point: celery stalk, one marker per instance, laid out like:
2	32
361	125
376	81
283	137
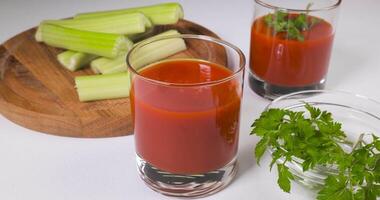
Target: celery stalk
159	14
102	44
140	36
102	93
73	60
128	23
171	32
158	50
99	87
95	64
110	66
170	47
100	80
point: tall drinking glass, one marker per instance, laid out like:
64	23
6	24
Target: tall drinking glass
185	96
291	44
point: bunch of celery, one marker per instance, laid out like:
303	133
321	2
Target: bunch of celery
102	39
114	81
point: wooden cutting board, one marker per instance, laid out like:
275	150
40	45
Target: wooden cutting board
36	92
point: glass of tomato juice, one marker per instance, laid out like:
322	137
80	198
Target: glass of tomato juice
186	93
291	44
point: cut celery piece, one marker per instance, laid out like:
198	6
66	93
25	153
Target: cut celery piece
171	32
152	52
127	23
159	14
73	60
101	44
95	64
109	66
102	93
38	35
99	87
99	80
140	36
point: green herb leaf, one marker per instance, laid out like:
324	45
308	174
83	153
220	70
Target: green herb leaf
292	24
377	143
335	188
260	148
300	22
284	177
314	112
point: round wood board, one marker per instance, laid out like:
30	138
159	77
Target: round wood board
37	93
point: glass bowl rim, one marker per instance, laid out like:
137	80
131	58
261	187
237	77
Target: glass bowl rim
242	60
336	92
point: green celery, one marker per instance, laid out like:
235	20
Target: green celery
101	44
95	64
159	14
109	66
99	87
126	23
152	52
165	48
140	36
73	60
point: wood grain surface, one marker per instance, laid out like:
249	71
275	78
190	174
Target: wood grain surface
36	92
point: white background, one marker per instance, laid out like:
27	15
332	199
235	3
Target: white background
39	166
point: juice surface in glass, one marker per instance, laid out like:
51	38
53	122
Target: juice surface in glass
191	127
290	62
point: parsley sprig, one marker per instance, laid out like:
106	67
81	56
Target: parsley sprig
317	139
291	24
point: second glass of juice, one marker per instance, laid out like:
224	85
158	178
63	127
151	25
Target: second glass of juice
185	99
291	44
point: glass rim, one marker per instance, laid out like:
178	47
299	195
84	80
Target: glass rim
241	68
334	92
330	7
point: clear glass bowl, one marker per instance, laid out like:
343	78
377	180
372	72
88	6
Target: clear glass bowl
358	115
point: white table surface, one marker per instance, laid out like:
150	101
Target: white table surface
39	166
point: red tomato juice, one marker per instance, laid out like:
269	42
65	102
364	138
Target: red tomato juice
290	63
186	129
